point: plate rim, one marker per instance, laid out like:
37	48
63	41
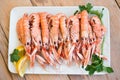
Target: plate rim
13	9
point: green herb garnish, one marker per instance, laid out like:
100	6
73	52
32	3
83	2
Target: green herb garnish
14	56
108	69
97	65
97	13
87	7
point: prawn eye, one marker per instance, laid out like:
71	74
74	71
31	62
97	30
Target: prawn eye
27	43
54	42
72	40
45	43
76	40
56	47
93	39
19	39
94	21
90	40
65	40
40	42
59	39
101	29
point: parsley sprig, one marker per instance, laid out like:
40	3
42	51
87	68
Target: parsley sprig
98	13
97	65
14	56
87	7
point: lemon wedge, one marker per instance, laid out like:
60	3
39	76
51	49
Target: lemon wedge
14	63
21	50
22	65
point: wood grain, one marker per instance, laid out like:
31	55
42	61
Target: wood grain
5	75
5	8
4	26
3	44
48	77
4	59
7	5
118	3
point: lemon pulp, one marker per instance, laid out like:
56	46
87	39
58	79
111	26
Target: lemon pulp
21	50
22	65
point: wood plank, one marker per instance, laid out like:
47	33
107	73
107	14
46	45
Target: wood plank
5	11
46	77
4	29
118	2
5	74
86	77
3	44
17	77
4	54
54	2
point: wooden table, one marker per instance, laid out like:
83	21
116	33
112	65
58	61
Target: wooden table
7	5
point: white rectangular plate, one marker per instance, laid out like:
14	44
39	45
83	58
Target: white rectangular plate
18	12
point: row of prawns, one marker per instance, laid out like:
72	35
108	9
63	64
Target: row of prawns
52	39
